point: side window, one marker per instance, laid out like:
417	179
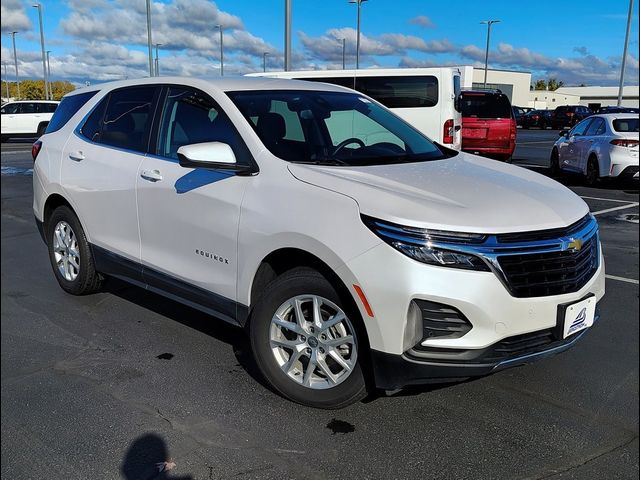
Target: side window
401	92
127	120
93	125
11	108
190	116
67	109
51	107
28	108
581	127
596	127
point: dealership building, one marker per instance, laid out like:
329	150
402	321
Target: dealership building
517	86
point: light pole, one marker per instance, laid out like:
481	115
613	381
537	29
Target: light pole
157	61
15	61
359	3
6	82
624	53
287	35
344	46
149	44
486	55
221	50
49	76
264	61
44	61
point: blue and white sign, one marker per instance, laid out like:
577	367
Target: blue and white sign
579	316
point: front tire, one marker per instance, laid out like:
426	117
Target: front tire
307	342
554	163
70	254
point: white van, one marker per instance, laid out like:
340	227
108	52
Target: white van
424	97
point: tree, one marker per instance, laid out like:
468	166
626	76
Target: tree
554	84
34	89
540	85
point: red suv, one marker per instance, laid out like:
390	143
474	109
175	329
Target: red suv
488	125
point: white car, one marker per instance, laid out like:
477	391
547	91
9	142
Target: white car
599	146
380	260
28	118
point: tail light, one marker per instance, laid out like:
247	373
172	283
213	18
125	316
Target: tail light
514	129
35	149
447	133
624	142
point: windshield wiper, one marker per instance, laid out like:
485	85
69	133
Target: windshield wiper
324	161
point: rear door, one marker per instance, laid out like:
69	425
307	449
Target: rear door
486	121
100	163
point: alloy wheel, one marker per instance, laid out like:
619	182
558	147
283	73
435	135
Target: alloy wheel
313	341
65	251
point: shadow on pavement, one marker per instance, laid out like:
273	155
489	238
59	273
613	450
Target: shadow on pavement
147	458
192	318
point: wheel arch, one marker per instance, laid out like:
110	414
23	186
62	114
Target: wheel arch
284	259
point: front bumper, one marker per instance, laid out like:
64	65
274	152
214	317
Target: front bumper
425	366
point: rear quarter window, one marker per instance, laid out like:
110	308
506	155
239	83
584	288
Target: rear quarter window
626	125
67	109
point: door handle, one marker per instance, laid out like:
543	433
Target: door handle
76	156
151	175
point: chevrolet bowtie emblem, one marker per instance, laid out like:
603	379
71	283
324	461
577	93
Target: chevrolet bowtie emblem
575	245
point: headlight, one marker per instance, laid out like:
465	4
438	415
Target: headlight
434	247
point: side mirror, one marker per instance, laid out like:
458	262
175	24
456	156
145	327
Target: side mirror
214	155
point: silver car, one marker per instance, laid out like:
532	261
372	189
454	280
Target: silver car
599	146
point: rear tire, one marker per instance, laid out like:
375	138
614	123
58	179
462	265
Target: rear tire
592	177
70	254
294	353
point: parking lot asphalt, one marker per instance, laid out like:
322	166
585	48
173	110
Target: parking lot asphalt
108	385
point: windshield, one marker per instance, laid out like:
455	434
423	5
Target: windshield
626	125
332	128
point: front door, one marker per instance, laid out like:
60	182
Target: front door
189	217
570	153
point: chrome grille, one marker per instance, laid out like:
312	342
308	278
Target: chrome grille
552	273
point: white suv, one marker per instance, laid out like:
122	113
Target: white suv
354	251
26	118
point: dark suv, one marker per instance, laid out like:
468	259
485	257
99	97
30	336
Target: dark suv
488	124
568	115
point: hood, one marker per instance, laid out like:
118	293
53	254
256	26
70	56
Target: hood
465	193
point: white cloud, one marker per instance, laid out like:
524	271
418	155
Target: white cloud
422	21
13	17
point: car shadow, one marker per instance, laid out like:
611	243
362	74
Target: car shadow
236	337
214	327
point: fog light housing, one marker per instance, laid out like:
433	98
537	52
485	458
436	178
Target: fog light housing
441	321
413	329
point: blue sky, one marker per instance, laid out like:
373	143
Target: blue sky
97	40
